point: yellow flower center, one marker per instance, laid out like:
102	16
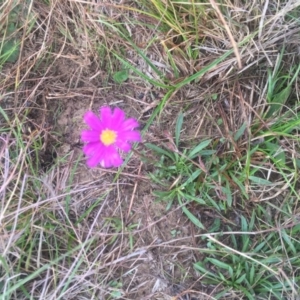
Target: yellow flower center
108	137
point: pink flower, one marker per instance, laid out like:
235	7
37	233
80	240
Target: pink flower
106	135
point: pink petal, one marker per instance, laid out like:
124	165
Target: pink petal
116	161
130	136
93	161
91	148
117	119
110	158
129	124
123	145
90	136
96	157
93	121
106	116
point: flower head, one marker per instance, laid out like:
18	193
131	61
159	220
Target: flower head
107	134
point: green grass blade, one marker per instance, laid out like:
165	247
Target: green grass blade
160	150
190	216
240	132
178	127
196	151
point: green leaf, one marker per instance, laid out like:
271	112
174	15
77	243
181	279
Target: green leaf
210	200
297	161
241	279
239	181
288	241
240	132
251	274
238	269
228	193
194	198
252	221
247	294
214	96
178	128
10	51
221	265
208	152
259	180
272	147
245	238
192	178
244	224
278	101
196	151
157	180
200	267
160	151
192	218
120	76
117	294
215	226
276	152
164	195
296	229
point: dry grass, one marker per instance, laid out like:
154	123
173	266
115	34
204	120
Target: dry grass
67	232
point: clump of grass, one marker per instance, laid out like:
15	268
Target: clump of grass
253	263
180	23
246	165
247	171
